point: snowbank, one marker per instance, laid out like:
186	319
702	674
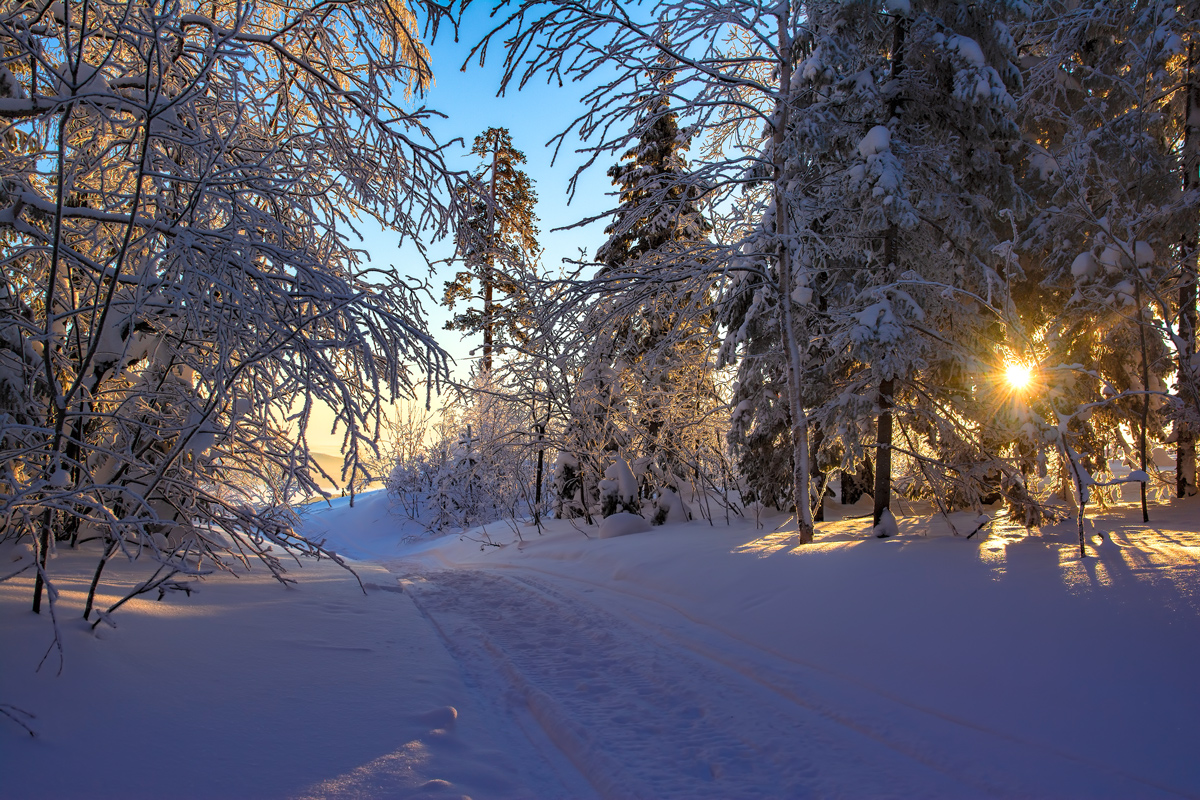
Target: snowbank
622	524
702	661
246	689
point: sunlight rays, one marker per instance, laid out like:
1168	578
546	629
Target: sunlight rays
1019	376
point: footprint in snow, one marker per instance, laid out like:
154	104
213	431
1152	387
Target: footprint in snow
440	718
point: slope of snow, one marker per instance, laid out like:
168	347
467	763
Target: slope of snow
248	689
1005	666
686	661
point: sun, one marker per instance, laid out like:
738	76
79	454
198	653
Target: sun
1018	375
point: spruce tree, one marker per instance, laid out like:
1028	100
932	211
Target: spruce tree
651	336
899	121
1104	117
659	202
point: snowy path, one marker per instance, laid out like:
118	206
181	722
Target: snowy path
646	702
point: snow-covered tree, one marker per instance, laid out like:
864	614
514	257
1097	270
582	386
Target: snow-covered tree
1112	246
652	344
582	38
490	469
898	125
659	205
179	292
908	221
889	254
1187	114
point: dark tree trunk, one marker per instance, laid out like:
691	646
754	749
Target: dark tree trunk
487	323
883	438
1145	421
43	547
537	490
1185	454
883	451
91	596
818	477
489	266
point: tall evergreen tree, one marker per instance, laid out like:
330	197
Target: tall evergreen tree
496	243
653	328
896	129
659	206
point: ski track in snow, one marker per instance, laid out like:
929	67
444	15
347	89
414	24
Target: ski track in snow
981	758
652	704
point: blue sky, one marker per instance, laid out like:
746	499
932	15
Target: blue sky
533	116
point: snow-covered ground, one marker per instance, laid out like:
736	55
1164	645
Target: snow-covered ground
686	661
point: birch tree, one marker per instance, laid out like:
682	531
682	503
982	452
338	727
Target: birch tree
178	185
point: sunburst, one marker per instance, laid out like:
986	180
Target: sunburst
1018	375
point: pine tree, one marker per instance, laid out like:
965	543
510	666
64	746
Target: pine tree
496	243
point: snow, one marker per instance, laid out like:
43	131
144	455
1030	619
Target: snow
1045	165
877	140
887	525
675	508
1143	253
969	49
245	689
1112	257
1084	265
622	524
699	661
623	484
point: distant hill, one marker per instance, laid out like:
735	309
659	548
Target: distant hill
332	464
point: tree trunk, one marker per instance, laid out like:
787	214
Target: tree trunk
883	451
537	490
109	548
43	547
489	265
487	322
1145	421
795	360
883	436
1185	454
817	477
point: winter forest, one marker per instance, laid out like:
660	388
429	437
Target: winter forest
856	259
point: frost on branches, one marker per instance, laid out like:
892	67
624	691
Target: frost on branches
178	184
918	200
647	406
